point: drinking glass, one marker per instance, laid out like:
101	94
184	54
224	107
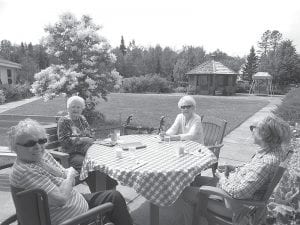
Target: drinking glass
167	139
132	152
117	133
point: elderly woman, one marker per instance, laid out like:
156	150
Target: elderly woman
251	180
75	136
36	168
187	125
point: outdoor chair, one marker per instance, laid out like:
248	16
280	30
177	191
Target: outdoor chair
130	128
32	209
213	130
220	208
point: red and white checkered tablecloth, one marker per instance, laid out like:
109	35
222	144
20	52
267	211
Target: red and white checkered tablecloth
156	172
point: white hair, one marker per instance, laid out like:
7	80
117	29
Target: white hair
24	127
187	99
75	99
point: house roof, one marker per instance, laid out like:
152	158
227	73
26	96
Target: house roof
262	76
211	67
9	64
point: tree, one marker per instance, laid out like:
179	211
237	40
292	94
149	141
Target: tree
122	46
84	58
251	65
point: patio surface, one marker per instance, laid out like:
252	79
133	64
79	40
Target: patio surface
233	152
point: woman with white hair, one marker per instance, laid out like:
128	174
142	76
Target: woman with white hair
187	125
75	136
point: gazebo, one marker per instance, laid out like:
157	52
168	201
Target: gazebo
261	84
211	78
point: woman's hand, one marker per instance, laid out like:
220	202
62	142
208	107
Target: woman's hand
162	135
86	140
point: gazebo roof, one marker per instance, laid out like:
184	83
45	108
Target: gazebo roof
262	76
211	67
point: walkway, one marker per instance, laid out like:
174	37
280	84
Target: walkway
237	149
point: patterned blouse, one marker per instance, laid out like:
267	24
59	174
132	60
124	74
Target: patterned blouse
251	180
69	132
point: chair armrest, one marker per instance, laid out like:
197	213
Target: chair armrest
92	213
6	166
208	190
10	220
215	149
61	156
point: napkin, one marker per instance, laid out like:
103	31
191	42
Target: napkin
137	145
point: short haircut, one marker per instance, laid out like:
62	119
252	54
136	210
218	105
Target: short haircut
188	100
23	127
273	130
75	99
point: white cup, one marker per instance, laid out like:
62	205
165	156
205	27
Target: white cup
180	150
117	133
119	153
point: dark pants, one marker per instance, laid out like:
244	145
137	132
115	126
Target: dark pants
76	161
119	215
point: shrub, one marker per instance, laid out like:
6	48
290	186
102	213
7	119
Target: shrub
289	110
94	118
16	92
147	83
180	90
2	97
242	87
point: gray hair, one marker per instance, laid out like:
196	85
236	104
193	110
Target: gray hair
23	127
274	131
75	99
187	99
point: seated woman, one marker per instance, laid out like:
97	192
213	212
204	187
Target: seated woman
251	180
187	125
36	168
75	136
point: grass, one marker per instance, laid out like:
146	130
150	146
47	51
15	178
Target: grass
148	108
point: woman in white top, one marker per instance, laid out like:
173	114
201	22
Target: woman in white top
187	125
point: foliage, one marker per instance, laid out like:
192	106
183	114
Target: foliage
94	117
242	87
289	110
279	58
2	97
147	83
15	92
84	58
122	46
251	65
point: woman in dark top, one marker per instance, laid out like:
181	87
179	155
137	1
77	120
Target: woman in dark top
75	135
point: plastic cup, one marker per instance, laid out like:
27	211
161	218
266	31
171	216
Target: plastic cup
180	150
119	153
117	132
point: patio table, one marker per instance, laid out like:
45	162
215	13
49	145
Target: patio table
156	171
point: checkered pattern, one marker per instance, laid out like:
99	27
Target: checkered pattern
160	176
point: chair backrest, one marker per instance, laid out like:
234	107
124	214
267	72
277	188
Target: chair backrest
31	206
213	129
53	143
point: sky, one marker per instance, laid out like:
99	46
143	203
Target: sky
232	26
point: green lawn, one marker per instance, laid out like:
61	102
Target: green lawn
148	108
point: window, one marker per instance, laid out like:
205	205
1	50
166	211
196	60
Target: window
9	77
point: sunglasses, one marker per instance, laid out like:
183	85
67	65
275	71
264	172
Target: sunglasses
32	143
186	106
252	127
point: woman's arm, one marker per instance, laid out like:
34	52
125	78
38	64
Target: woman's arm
174	129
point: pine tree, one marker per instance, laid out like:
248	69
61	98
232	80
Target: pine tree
122	46
251	65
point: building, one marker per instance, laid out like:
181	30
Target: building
8	71
211	78
261	84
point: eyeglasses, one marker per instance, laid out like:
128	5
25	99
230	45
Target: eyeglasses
186	106
32	143
252	127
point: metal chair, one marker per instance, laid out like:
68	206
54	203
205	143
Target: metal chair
213	130
32	209
220	208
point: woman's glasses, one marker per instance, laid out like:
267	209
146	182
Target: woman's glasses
252	127
186	106
32	143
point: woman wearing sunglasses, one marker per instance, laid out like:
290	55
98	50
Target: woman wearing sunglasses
249	181
36	168
187	125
